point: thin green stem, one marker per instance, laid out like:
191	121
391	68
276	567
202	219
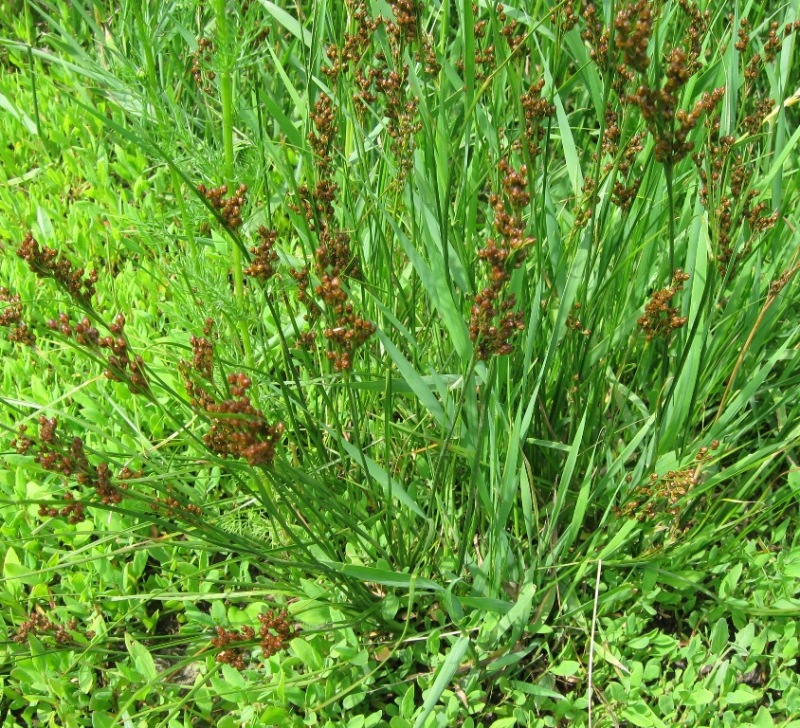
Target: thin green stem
671	210
227	100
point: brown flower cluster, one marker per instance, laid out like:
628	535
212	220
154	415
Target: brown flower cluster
660	318
47	263
203	357
346	330
274	634
262	265
513	31
333	258
670	125
696	31
69	459
735	209
660	497
711	161
381	82
202	364
39	624
595	34
536	111
564	16
574	322
406	15
11	318
122	365
238	429
230	208
494	322
626	187
355	43
484	58
203	54
633	27
170	506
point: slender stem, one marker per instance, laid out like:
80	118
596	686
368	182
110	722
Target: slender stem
671	206
226	100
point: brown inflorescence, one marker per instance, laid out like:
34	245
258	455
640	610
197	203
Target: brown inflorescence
660	318
733	209
121	366
406	15
669	125
512	30
274	634
536	111
595	34
633	27
203	54
381	82
696	32
203	357
228	208
484	53
168	505
39	624
265	258
238	429
48	263
334	259
493	321
660	497
68	458
564	16
226	641
11	318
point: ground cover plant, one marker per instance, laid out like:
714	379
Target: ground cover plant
393	363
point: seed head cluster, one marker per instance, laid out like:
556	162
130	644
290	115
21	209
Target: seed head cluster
633	27
238	429
228	208
202	56
670	125
334	260
274	634
170	506
660	318
122	365
494	322
48	263
731	200
68	458
536	110
39	624
660	497
11	318
380	80
265	258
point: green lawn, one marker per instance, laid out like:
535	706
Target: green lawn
389	363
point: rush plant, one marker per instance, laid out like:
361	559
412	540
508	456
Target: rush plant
426	339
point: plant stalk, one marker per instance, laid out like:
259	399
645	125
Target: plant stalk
226	100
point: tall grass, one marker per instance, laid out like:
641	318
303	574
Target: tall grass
509	293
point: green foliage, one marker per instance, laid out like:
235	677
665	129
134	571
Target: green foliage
454	381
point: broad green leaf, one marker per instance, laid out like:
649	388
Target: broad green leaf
142	659
443	677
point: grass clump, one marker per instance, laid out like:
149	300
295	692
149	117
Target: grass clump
433	365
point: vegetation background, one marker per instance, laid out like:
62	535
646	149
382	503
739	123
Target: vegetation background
393	363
